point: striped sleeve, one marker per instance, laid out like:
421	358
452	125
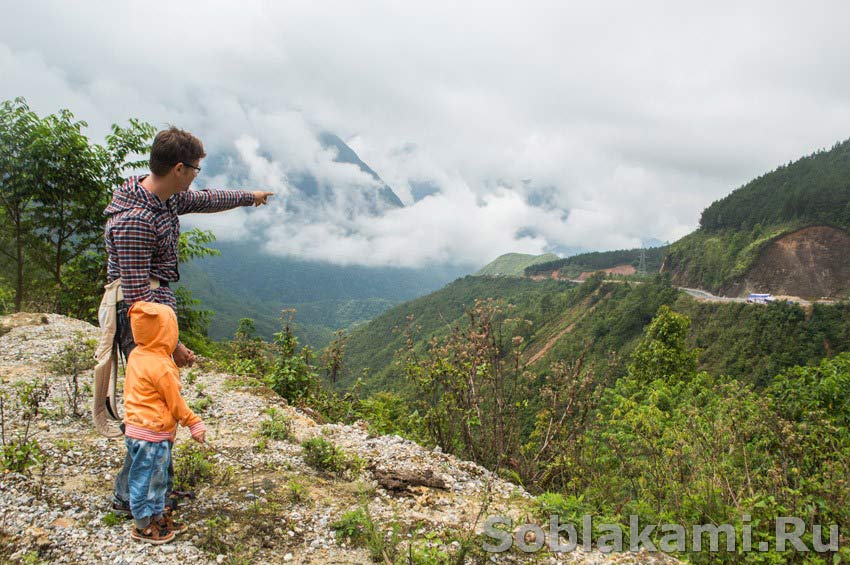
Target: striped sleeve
197	429
211	200
134	239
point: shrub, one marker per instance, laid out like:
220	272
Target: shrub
20	455
292	374
194	466
212	539
354	526
323	455
278	426
201	405
297	492
75	359
359	529
22	451
389	413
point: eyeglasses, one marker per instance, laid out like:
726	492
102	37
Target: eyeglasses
197	169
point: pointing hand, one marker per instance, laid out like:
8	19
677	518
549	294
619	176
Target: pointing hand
261	196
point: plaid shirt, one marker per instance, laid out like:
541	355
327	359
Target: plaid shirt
142	233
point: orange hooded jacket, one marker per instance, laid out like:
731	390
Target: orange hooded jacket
152	403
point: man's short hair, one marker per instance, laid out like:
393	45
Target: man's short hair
172	146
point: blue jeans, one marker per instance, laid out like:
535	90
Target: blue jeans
121	493
148	478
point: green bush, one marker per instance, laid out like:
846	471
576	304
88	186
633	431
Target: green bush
75	360
201	405
21	452
359	529
292	374
195	466
18	456
324	456
388	413
278	426
297	492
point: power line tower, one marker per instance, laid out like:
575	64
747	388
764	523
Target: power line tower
641	270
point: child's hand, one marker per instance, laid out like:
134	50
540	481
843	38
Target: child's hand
201	437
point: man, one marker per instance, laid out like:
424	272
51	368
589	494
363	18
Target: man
142	234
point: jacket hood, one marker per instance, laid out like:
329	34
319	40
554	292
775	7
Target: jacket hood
133	195
154	327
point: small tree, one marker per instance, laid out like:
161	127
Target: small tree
75	359
333	354
54	185
664	352
292	374
472	386
22	451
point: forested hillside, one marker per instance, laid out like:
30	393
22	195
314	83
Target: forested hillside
595	319
373	347
243	282
736	230
812	190
623	398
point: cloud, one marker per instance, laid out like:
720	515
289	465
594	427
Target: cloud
549	125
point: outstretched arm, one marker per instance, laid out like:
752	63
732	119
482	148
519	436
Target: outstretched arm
217	200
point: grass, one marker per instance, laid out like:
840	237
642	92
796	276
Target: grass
64	444
201	405
359	529
112	519
297	492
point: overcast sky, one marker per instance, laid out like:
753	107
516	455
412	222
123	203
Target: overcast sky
545	125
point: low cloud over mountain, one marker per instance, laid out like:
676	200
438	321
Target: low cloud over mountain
500	127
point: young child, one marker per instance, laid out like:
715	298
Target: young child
152	409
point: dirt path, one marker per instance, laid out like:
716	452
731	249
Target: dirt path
539	355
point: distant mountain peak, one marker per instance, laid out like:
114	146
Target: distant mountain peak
345	154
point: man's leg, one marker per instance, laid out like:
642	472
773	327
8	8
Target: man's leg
121	492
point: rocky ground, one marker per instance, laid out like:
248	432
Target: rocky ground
259	501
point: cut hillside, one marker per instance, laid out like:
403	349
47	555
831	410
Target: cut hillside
623	262
810	263
261	501
769	232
